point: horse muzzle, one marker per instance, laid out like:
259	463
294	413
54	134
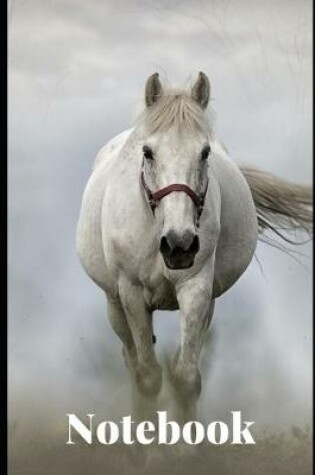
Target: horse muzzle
179	250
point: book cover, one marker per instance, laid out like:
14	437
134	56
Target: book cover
160	242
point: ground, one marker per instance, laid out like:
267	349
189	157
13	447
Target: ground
281	454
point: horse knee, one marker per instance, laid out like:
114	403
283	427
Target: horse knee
130	357
149	380
187	382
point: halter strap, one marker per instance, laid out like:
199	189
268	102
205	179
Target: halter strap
155	197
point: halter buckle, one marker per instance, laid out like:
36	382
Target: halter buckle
153	204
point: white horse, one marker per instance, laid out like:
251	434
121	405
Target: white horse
169	221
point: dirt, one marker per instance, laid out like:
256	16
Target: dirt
289	454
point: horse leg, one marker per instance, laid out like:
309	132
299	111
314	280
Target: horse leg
148	372
196	310
118	321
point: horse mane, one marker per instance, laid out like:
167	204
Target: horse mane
176	109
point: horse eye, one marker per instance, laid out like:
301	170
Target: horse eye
205	152
147	152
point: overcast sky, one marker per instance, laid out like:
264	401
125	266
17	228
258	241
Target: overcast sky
76	78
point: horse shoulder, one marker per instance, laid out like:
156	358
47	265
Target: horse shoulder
89	228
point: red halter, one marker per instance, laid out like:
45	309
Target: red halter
155	197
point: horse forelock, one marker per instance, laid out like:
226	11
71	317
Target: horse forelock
176	110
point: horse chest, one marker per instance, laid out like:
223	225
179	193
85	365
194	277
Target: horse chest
161	296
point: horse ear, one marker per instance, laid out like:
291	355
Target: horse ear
153	89
201	90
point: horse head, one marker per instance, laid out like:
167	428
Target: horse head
176	153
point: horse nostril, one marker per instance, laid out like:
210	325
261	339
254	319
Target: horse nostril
164	247
174	244
194	247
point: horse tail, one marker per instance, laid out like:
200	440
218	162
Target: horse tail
281	206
